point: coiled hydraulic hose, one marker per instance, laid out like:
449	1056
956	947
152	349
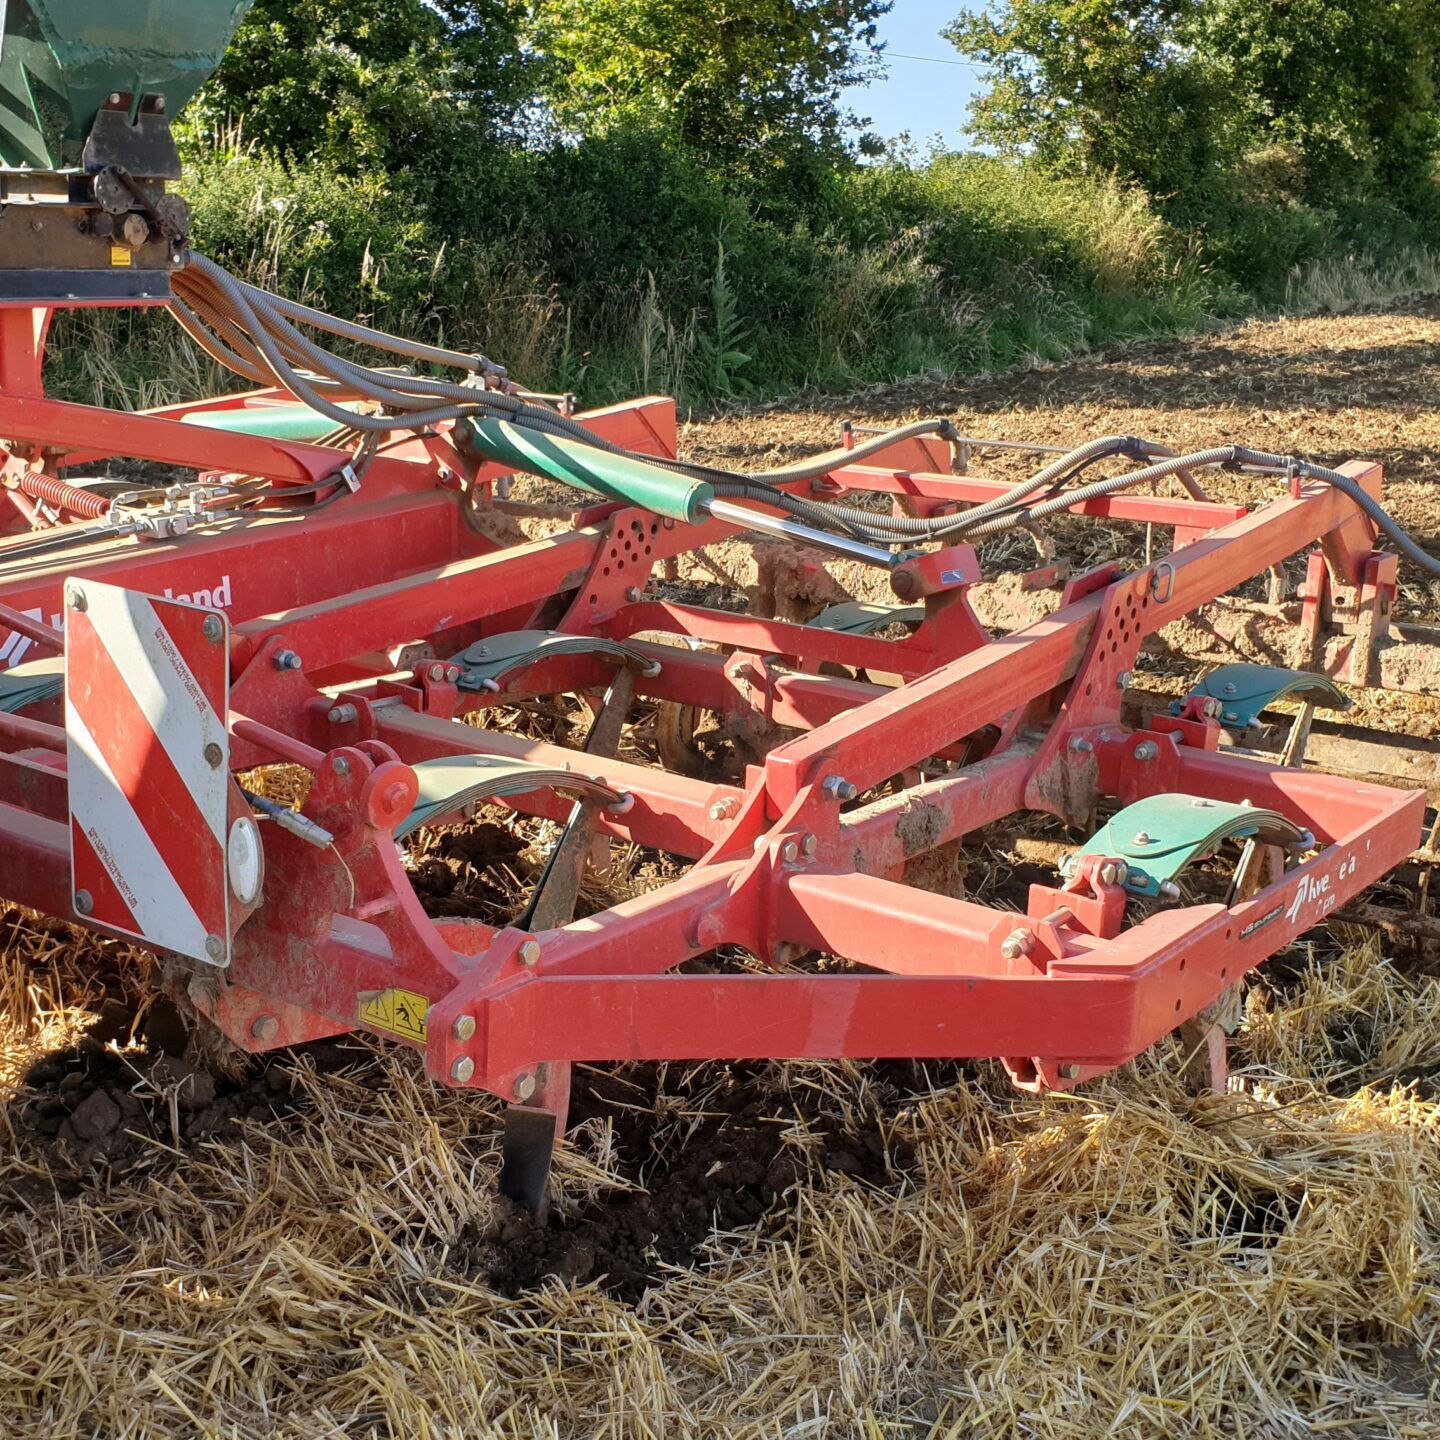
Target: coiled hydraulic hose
257	335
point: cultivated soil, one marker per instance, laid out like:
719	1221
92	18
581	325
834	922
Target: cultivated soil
310	1244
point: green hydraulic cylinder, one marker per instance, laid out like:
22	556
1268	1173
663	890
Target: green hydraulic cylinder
276	422
617	477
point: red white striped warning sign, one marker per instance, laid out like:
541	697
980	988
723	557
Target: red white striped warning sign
146	696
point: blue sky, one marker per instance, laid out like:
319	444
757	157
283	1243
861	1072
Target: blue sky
918	95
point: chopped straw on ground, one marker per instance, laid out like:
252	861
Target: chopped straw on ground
314	1249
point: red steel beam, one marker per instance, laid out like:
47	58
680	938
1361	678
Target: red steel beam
904	726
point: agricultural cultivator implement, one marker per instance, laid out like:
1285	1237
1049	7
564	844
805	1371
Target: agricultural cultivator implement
327	572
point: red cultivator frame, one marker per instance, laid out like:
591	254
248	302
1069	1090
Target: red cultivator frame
351	641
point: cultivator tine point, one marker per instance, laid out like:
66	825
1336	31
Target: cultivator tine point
526	1153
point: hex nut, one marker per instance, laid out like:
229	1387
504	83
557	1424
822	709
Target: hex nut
1016	944
266	1027
464	1028
529	952
462	1070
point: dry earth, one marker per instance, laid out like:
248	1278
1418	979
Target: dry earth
310	1247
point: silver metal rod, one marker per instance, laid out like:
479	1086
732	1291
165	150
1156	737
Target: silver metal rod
977	442
794	530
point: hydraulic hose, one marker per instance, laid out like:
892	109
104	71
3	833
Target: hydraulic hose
255	334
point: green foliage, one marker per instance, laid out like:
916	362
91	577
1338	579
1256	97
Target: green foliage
1349	89
1203	99
721	358
353	244
1094	86
753	86
381	85
689	216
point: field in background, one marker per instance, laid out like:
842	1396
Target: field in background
311	1247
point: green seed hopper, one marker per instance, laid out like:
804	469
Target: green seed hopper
61	60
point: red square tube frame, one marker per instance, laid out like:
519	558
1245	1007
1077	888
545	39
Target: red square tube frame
784	863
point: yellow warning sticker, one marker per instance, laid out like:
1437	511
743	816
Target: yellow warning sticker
119	255
401	1012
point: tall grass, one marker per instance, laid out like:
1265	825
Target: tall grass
1358	281
619	266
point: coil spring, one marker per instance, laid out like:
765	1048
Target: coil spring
66	497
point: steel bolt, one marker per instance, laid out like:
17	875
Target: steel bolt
529	952
1146	750
84	902
1228	687
287	660
1081	746
524	1087
78	600
1122	680
214	755
462	1070
789	852
1069	1072
723	809
1170	890
1107	874
808	844
340	765
343	714
214	947
266	1027
837	787
114	97
1142	838
634	594
463	1028
213	629
1122	873
1016	944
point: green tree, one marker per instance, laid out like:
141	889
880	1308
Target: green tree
1092	85
1174	93
750	85
1350	89
385	84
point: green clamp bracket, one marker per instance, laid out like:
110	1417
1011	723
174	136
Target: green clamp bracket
453	784
1242	691
487	660
862	617
1157	837
31	682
